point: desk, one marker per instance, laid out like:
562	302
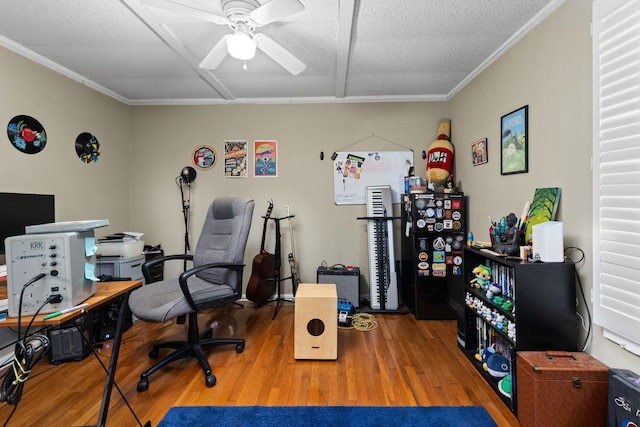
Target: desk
107	291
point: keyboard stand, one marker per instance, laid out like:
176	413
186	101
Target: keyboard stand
380	222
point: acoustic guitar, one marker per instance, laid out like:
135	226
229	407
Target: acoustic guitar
262	284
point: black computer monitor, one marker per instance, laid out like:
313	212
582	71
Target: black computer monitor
19	210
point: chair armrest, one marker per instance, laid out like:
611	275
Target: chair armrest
185	275
148	264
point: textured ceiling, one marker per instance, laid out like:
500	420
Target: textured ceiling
353	49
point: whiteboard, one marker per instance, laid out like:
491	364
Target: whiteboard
354	171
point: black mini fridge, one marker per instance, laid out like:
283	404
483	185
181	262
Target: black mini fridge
433	235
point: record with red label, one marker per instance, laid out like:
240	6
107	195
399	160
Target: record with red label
26	134
87	147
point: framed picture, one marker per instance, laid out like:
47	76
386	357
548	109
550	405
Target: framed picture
265	158
236	158
514	145
204	157
479	154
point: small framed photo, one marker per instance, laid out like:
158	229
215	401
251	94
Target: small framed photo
514	145
479	154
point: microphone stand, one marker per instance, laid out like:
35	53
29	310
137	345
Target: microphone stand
185	213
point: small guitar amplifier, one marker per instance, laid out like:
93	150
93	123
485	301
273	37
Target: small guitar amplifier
347	281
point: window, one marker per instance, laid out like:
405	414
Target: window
616	170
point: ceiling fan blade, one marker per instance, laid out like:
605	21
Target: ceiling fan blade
181	8
275	10
279	54
217	54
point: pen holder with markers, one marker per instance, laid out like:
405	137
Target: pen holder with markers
493	235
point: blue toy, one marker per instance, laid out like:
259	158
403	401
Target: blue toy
497	365
485	354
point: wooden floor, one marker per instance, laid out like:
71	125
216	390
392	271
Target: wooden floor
402	362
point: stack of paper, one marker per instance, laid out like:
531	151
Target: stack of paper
127	236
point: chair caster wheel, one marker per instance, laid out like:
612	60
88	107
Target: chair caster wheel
143	385
153	353
239	348
210	380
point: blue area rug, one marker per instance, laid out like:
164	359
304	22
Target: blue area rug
326	416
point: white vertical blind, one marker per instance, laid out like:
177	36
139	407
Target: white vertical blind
616	169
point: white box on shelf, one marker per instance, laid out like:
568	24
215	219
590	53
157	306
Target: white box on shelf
548	241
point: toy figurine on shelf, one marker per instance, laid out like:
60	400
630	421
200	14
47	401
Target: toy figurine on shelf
483	274
497	365
492	290
508	240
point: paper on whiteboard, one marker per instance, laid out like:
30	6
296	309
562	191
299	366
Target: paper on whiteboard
354	171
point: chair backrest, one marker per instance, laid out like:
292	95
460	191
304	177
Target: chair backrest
224	238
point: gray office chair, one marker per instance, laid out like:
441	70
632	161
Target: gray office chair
214	280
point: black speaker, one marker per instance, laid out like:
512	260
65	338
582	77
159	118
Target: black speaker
66	341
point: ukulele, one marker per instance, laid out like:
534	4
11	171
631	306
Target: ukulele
262	283
295	277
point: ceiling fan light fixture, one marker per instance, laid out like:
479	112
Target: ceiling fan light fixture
241	46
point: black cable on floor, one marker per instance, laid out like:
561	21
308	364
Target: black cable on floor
28	352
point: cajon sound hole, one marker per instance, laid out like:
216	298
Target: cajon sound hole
315	327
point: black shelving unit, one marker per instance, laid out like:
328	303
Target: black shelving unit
542	313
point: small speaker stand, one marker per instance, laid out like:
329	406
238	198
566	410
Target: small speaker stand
277	264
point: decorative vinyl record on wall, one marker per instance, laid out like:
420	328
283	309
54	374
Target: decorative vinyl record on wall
204	157
26	134
87	147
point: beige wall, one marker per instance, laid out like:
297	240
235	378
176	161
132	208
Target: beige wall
163	139
549	70
144	149
65	109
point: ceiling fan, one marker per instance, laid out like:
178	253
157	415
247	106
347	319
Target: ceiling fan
243	17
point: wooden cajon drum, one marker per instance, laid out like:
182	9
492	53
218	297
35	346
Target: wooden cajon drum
316	321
